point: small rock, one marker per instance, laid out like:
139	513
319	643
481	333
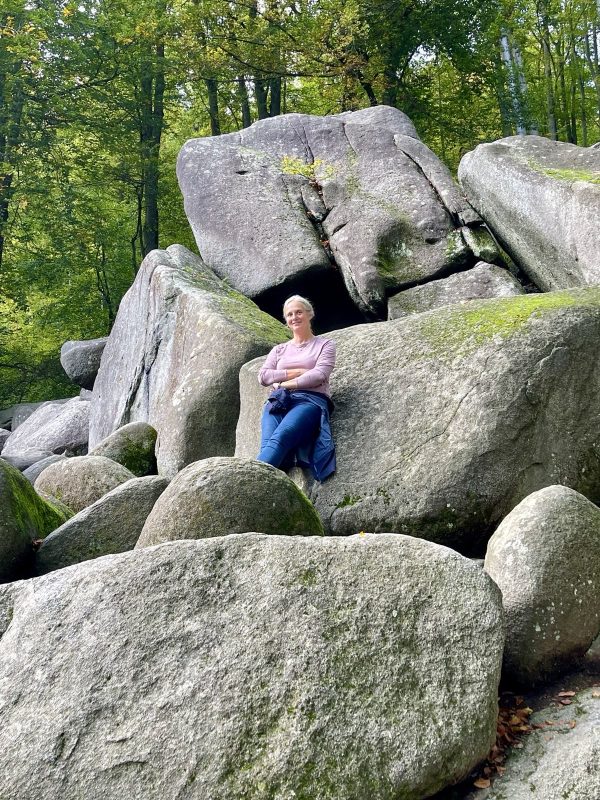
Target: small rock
219	496
79	482
110	525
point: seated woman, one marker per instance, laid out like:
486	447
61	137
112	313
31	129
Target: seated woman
295	420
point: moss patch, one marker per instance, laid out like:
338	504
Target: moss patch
569	174
460	331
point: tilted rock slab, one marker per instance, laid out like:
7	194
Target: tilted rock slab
110	525
79	482
132	446
541	199
173	357
24	517
218	496
479	283
545	557
250	666
357	188
32	472
81	360
54	428
445	420
558	760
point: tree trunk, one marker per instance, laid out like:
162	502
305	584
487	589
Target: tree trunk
275	99
213	106
550	103
152	98
244	103
261	89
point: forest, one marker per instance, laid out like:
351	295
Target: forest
98	96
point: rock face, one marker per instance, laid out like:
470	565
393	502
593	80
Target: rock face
444	421
541	200
26	458
173	358
358	189
111	525
247	666
479	283
54	428
559	760
81	360
79	482
218	496
132	446
4	434
545	557
24	517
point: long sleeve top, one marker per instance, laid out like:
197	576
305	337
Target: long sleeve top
317	356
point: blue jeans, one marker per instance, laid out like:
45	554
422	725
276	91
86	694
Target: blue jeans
281	434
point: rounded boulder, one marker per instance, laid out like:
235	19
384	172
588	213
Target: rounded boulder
218	496
545	557
78	482
132	446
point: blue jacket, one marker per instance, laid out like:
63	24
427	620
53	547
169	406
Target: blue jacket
318	456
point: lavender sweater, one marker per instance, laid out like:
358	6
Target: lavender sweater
317	356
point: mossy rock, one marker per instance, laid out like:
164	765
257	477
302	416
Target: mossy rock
25	517
132	446
218	496
79	482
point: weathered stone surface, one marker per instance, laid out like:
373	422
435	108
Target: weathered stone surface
81	360
251	666
445	420
26	458
4	434
32	472
559	760
22	411
24	517
541	199
173	358
79	482
110	525
132	446
545	557
359	188
218	496
481	282
55	428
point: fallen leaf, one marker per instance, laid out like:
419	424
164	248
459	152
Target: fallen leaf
566	694
482	783
565	702
595	694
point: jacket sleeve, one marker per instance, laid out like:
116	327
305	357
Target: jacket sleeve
269	373
322	369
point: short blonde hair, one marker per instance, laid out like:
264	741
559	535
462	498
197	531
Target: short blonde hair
303	301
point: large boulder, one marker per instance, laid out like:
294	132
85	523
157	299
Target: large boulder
81	360
545	557
218	496
79	482
356	192
445	420
558	760
251	666
24	518
110	525
132	446
541	200
173	358
479	283
55	428
20	412
26	458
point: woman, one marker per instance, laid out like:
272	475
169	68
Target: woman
295	420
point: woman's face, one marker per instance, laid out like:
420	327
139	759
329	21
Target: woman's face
297	318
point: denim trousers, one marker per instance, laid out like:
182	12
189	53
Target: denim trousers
281	434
